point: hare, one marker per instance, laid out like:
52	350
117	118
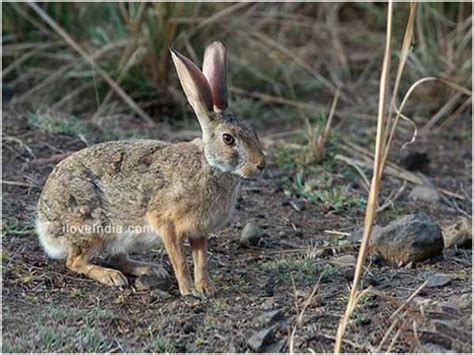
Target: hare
123	196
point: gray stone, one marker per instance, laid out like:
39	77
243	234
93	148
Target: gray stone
438	279
160	294
148	282
409	239
424	193
278	347
251	235
268	318
357	234
344	260
261	338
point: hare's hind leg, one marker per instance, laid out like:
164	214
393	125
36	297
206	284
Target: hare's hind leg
78	261
128	266
201	278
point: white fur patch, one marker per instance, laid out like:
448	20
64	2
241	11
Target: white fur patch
53	246
130	242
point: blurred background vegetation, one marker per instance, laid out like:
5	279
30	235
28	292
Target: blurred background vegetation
286	59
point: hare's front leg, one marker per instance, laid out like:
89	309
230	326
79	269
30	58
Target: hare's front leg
174	247
78	261
201	278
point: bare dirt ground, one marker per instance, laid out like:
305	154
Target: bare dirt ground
48	308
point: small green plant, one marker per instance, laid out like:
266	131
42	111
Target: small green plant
161	345
55	124
333	197
13	226
300	270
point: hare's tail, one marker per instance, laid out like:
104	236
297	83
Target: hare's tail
51	244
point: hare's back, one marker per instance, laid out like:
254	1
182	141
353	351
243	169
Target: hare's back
100	179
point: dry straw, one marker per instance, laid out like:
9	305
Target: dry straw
386	127
378	164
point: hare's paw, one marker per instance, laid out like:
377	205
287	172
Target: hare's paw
109	277
206	288
192	293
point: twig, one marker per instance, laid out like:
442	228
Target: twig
390	199
337	233
276	99
299	319
398	173
345	341
19	183
394	315
21	143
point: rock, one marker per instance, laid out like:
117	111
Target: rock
411	238
372	280
160	294
258	341
424	193
297	205
357	234
251	235
463	301
268	318
344	260
275	348
437	279
415	161
147	282
458	234
375	259
349	273
433	349
298	233
270	286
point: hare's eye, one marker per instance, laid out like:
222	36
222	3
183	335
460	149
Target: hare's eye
228	139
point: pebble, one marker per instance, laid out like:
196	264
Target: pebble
424	193
438	279
344	260
252	235
148	282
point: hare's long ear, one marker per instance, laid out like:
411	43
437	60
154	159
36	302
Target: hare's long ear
214	69
197	90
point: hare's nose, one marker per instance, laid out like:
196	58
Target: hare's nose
261	165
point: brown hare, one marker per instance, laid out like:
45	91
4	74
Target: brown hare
119	197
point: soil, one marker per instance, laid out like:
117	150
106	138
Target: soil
48	308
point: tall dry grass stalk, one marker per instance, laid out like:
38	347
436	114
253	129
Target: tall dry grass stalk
380	146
